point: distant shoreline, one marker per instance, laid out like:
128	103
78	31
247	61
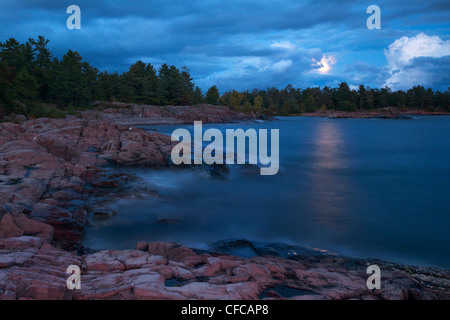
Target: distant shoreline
388	113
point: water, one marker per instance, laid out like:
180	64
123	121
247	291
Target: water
360	187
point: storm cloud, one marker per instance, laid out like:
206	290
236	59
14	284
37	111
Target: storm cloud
242	44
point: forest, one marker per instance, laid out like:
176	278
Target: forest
35	83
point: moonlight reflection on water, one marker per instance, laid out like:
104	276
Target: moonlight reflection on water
360	187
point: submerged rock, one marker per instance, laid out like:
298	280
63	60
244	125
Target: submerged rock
103	214
394	116
247	248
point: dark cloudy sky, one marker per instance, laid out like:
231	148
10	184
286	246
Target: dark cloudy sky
246	44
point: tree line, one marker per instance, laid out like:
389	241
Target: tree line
292	100
31	78
35	83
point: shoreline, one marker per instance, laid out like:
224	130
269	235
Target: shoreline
50	168
387	113
31	269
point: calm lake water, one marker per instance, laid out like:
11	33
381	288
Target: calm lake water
360	187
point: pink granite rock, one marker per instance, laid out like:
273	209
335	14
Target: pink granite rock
31	269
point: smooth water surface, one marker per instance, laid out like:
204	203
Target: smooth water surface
360	187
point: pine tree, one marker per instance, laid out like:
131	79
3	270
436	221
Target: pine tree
187	95
212	95
165	83
25	87
43	66
70	85
10	53
198	96
5	90
153	86
135	83
362	96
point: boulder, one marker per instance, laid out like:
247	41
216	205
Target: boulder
8	227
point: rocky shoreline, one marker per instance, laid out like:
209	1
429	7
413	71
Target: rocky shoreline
33	269
141	115
50	168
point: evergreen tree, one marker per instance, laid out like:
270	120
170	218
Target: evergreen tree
70	85
198	96
10	53
153	85
165	82
362	96
310	104
25	87
29	74
135	83
212	95
43	66
187	84
5	91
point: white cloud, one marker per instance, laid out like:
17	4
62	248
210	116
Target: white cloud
404	56
284	45
282	65
323	66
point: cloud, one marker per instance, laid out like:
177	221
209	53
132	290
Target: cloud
284	44
323	66
366	74
426	71
419	60
241	44
274	69
282	65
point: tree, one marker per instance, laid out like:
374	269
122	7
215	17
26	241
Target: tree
236	99
310	103
10	52
187	94
417	97
25	91
212	95
25	87
257	103
135	86
198	96
153	86
362	96
176	87
286	110
247	107
29	74
42	70
5	91
165	83
343	92
70	85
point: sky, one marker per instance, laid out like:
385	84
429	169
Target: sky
248	44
